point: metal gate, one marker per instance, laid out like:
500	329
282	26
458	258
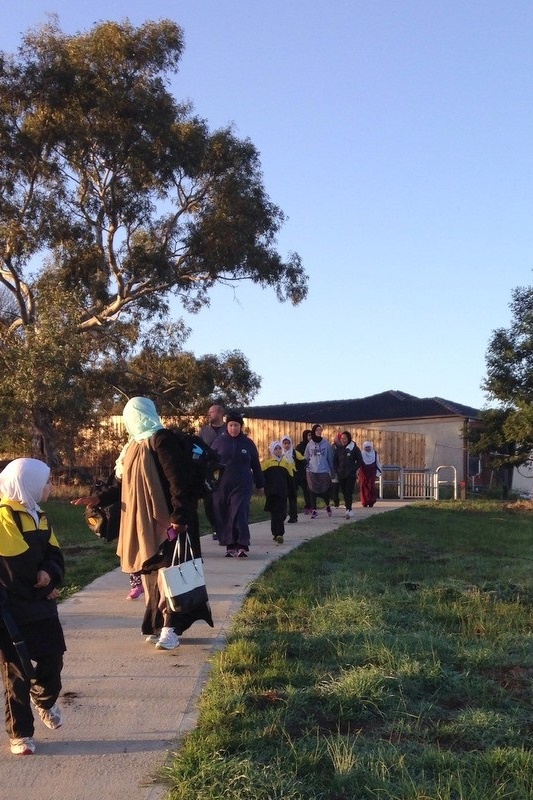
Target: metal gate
416	484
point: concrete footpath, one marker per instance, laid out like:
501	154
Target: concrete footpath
125	704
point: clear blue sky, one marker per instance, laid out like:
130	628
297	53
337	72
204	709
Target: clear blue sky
397	136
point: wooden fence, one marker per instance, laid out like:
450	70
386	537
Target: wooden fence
98	447
407	450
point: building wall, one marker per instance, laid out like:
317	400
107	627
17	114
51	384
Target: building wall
444	444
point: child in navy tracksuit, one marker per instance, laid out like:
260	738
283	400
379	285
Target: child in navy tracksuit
276	470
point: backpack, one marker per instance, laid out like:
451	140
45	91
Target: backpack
205	468
104	521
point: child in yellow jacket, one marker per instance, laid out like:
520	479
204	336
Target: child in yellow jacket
277	473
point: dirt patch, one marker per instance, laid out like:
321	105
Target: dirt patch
519	505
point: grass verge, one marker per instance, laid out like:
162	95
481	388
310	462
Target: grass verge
391	659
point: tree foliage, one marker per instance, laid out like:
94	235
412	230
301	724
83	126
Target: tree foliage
509	380
114	199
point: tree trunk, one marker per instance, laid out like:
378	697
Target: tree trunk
43	439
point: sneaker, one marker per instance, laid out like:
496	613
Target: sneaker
329	512
153	638
348	514
25	746
214	536
231	554
293	520
314	514
242	553
51	717
168	640
278	539
135	593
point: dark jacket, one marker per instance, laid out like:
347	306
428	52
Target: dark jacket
277	477
22	555
241	459
347	461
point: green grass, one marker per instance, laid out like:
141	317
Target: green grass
391	659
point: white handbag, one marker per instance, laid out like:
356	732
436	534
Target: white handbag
184	581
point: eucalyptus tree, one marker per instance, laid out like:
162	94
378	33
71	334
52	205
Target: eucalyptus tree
115	198
509	381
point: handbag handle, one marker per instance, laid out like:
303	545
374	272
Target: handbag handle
177	549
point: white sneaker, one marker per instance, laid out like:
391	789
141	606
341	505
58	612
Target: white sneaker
168	640
152	638
348	515
24	746
51	717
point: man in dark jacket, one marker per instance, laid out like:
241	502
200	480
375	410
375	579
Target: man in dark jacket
208	434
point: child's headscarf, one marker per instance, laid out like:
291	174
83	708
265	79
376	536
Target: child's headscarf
23	480
141	418
287	453
271	449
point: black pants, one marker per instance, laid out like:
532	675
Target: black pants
208	508
277	506
44	689
347	486
306	492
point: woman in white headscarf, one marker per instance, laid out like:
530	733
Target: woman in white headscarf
31	569
368	471
153	480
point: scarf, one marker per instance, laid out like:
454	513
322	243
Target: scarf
141	418
272	446
145	514
314	437
23	480
289	452
369	456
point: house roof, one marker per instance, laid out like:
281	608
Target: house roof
388	405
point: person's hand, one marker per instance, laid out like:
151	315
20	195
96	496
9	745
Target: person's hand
54	594
43	579
91	501
178	527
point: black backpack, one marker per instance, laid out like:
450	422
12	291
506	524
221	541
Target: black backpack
104	521
205	468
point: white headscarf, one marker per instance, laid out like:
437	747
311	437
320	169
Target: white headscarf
23	480
287	453
369	456
272	447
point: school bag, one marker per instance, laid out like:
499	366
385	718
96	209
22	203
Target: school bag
103	521
204	467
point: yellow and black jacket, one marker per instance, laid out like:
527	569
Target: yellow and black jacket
26	548
277	475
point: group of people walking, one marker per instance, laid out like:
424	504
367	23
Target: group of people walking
315	466
151	481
